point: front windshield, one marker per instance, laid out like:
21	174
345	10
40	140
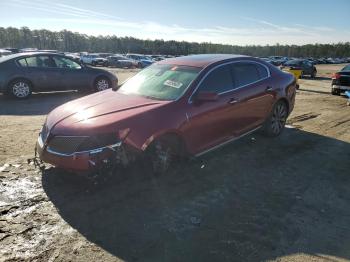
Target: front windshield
162	82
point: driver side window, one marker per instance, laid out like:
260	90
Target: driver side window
62	62
218	81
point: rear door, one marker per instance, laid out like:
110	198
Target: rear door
253	95
42	72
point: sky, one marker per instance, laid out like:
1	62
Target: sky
237	22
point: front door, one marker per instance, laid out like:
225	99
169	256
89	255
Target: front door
209	122
73	75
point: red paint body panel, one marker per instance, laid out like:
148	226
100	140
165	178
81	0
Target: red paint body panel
200	125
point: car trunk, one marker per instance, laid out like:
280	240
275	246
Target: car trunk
342	79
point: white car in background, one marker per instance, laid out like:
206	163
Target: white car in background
94	60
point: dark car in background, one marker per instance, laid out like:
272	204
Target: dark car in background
307	67
278	60
185	106
341	81
120	61
22	73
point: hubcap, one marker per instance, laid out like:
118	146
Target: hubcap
102	84
279	118
21	89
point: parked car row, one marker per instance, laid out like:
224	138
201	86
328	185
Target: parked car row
281	60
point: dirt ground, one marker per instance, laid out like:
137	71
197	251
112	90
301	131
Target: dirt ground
259	199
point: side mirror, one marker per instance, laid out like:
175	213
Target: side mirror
206	96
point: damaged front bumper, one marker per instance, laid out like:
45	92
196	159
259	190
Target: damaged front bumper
84	161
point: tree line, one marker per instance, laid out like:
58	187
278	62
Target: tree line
68	41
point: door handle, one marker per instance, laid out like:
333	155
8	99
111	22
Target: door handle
233	101
269	88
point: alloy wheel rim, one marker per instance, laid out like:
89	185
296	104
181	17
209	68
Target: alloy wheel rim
102	84
279	118
21	89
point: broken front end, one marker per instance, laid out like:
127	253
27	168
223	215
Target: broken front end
84	153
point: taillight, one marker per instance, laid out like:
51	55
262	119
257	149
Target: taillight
336	76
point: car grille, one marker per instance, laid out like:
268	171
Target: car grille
66	144
72	144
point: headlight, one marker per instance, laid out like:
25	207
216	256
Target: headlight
44	133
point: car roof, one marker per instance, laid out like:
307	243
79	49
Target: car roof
200	60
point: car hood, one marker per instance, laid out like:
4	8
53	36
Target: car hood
98	110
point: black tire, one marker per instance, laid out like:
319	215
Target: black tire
139	65
102	83
20	88
313	74
163	153
276	122
335	92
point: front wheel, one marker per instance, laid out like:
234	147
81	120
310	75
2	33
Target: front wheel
163	153
20	89
102	83
276	122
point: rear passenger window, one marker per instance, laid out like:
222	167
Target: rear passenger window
263	73
245	74
218	81
22	62
38	61
31	61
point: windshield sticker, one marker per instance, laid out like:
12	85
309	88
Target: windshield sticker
173	84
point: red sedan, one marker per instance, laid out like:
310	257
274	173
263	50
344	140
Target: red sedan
177	107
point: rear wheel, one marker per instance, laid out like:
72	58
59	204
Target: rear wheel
335	92
102	83
20	89
313	74
276	122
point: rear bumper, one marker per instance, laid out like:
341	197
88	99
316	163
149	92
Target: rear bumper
340	87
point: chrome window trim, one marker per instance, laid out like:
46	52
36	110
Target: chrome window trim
236	88
51	56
